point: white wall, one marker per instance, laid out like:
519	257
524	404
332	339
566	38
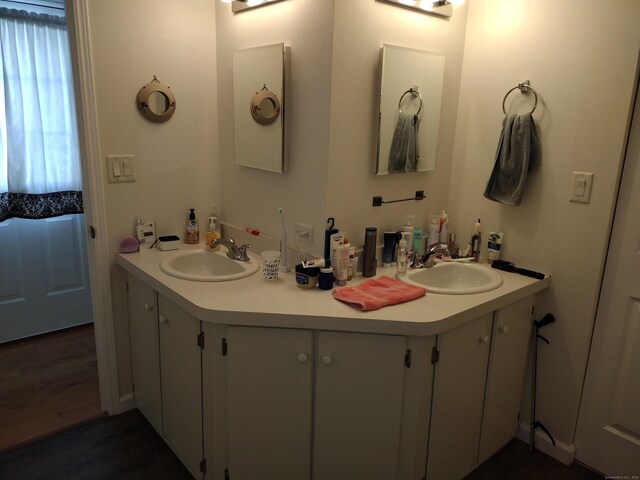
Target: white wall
581	59
332	115
177	161
251	197
361	28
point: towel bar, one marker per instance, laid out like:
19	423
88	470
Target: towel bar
524	88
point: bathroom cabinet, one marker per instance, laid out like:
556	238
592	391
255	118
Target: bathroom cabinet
145	350
510	342
166	366
477	388
296	395
242	399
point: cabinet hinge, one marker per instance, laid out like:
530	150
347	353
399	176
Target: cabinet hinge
224	347
226	474
127	284
407	358
201	339
435	355
203	466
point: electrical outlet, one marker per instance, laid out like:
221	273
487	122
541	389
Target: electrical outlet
304	232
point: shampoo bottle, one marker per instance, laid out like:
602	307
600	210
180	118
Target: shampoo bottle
402	255
444	227
193	229
213	231
476	241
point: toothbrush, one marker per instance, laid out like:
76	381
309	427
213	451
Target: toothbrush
284	266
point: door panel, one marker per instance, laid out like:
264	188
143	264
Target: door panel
608	433
269	403
44	280
458	397
358	407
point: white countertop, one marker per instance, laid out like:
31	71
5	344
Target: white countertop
281	303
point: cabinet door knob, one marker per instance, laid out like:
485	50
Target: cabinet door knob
302	358
484	339
503	328
148	307
163	319
327	360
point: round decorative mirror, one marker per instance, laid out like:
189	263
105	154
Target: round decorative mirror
265	106
156	101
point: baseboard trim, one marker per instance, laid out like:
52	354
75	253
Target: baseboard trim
126	403
562	452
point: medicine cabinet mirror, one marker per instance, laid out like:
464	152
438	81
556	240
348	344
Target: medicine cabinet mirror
156	101
411	83
258	107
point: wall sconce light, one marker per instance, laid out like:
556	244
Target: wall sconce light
240	5
442	8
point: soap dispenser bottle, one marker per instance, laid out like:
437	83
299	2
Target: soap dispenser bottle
193	229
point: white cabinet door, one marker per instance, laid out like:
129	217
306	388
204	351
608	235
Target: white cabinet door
358	405
507	365
458	396
269	403
145	354
180	367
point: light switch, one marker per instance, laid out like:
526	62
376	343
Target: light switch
120	168
581	184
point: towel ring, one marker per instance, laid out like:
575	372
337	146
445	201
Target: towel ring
413	92
524	89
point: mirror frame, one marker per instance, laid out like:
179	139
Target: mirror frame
142	101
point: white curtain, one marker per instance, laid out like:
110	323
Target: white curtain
40	173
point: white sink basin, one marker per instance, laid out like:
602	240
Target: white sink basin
455	278
205	266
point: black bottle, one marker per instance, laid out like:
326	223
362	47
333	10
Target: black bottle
370	261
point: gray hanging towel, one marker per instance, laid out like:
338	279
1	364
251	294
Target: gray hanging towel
518	150
403	155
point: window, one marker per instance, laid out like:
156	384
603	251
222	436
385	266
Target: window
40	172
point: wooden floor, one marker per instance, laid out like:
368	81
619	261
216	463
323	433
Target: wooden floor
127	448
516	462
47	383
123	447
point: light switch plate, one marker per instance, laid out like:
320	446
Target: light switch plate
581	183
121	168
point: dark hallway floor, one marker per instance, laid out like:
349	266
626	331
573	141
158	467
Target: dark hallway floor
126	447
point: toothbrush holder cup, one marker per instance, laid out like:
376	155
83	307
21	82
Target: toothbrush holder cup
270	264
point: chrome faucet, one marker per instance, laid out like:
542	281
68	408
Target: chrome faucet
234	252
428	259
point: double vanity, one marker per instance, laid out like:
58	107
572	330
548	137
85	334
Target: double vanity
255	379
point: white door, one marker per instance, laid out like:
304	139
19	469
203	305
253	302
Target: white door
181	383
44	282
458	396
145	350
358	405
269	403
608	434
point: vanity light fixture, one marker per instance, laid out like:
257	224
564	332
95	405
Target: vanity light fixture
240	5
441	8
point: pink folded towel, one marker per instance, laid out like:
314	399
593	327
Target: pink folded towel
377	293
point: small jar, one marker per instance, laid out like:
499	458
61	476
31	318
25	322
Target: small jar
326	278
306	277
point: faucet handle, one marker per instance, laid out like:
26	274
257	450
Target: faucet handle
243	251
